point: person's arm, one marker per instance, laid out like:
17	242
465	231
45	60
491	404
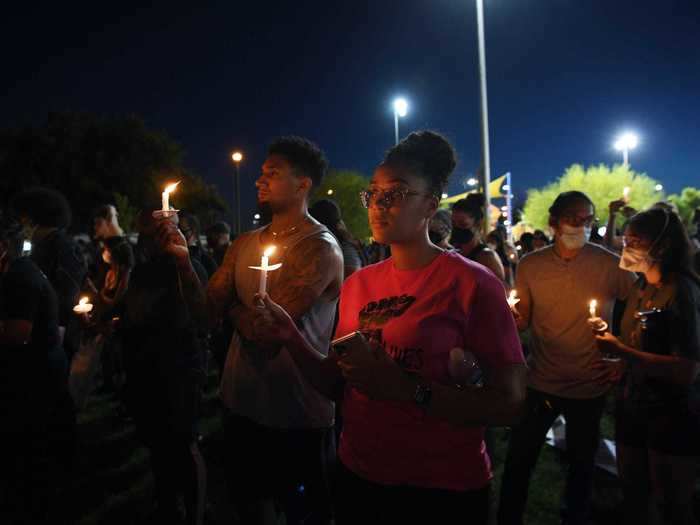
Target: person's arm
499	402
221	290
683	365
672	368
492	261
173	243
280	329
20	303
15	331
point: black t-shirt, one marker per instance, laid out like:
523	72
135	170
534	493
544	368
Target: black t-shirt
26	294
156	326
162	352
676	333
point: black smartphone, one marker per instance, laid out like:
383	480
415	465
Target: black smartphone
350	343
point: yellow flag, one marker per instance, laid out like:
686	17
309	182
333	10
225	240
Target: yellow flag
495	187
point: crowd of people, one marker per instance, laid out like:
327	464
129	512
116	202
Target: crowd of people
358	384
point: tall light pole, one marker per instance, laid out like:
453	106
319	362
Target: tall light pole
237	157
400	110
485	155
625	143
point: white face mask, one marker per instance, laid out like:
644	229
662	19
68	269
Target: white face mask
635	260
574	237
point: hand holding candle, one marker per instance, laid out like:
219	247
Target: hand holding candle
264	268
513	299
166	210
596	323
626	194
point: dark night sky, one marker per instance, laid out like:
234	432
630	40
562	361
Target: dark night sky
565	76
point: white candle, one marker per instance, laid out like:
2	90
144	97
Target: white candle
83	306
513	298
166	195
592	307
265	267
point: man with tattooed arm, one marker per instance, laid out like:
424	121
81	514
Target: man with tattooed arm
278	427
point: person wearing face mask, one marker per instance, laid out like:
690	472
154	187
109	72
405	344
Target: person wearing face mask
658	405
412	448
467	217
555	285
440	229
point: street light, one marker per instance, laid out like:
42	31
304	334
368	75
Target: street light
330	192
472	182
625	143
400	110
659	187
237	157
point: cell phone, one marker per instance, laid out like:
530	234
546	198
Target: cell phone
350	343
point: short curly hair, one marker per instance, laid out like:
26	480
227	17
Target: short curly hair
42	206
305	157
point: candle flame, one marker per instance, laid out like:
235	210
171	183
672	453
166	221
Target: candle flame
626	192
171	187
592	306
269	251
83	300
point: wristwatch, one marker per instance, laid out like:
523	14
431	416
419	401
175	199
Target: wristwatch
422	395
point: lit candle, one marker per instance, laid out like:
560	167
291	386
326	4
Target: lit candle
265	267
626	193
166	195
595	322
513	298
83	306
592	307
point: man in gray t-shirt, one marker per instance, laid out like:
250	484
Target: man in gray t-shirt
556	285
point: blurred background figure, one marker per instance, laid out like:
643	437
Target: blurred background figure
106	223
440	229
162	315
327	212
45	216
218	240
467	218
38	430
191	229
540	240
526	243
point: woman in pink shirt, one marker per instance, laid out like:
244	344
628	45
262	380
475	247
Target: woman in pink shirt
412	447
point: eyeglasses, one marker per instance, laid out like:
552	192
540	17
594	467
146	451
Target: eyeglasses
386	199
577	220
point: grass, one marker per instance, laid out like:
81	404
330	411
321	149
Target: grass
112	483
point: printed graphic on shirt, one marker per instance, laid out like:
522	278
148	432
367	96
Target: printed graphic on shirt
374	315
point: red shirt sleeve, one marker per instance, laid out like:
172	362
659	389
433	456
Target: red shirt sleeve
490	327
